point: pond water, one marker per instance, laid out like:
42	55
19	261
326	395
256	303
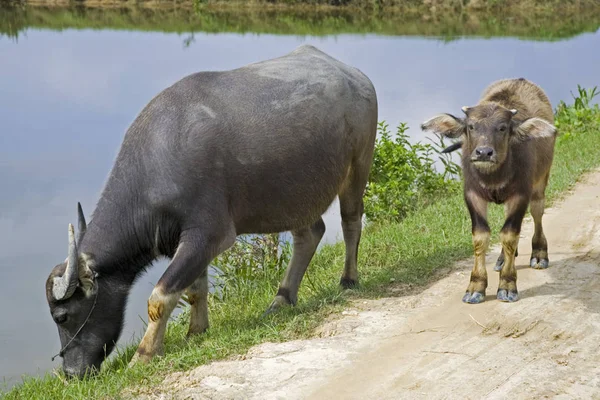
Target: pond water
67	97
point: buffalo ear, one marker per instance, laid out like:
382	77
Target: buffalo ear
445	125
534	128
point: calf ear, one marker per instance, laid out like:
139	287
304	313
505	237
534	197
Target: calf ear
446	125
533	128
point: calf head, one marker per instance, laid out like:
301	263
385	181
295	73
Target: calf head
87	310
487	132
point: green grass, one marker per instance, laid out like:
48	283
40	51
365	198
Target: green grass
533	24
411	252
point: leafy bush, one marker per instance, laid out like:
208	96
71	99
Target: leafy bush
403	176
573	117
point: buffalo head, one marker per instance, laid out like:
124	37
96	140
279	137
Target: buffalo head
487	132
87	309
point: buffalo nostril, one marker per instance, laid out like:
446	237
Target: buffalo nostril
484	151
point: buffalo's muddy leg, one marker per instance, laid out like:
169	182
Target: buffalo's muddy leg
539	244
305	242
509	236
351	210
197	294
195	251
500	261
480	229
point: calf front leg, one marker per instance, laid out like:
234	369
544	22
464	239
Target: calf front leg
509	236
195	251
481	238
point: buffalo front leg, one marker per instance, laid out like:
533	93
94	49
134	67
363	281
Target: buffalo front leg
305	242
539	244
509	236
197	294
500	261
475	292
195	251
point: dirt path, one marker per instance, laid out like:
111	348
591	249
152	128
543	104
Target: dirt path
432	346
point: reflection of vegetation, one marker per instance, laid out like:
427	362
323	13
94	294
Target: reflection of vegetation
545	24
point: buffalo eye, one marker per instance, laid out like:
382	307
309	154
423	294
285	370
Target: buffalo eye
502	128
60	317
471	127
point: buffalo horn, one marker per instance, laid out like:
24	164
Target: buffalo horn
65	286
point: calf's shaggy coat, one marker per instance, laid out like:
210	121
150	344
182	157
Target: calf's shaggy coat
507	143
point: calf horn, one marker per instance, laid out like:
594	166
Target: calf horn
65	286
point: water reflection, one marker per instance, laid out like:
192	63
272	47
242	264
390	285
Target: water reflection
66	99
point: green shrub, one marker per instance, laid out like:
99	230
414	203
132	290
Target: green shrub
571	118
403	176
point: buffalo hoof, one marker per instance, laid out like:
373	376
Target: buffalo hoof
277	304
473	298
347	283
140	359
536	263
508	296
195	331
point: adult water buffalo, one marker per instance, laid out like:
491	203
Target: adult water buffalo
507	143
263	148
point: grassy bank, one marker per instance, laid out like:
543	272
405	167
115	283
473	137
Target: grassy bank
409	252
541	23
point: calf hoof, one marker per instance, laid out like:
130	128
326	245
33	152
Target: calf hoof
499	265
536	263
508	296
347	283
473	298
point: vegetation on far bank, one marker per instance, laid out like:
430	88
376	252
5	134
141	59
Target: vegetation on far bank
407	248
279	17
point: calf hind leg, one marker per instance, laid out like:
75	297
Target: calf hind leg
539	244
500	262
305	242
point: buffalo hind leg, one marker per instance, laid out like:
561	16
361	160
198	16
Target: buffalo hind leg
480	230
509	236
195	251
351	210
197	294
539	244
500	261
305	242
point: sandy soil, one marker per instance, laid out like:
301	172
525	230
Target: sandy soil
432	346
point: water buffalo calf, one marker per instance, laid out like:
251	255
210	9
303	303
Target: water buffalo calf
259	149
507	143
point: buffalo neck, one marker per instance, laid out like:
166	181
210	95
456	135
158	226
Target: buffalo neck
119	236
